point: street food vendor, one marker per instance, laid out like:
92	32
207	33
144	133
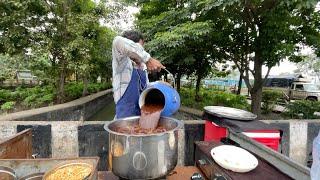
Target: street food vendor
130	63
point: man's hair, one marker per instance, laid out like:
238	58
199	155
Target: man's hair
135	36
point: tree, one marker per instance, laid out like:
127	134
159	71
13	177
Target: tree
18	18
184	45
310	65
68	37
120	15
67	33
261	32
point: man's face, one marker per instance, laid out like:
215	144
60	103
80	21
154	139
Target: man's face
141	42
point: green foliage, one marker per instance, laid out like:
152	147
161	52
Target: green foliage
229	30
92	88
212	98
16	18
310	65
8	105
29	101
46	99
39	96
29	97
5	95
65	38
269	99
74	90
304	107
183	44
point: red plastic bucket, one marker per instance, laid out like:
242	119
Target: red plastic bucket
214	132
270	138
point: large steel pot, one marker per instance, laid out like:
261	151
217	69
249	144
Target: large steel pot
143	156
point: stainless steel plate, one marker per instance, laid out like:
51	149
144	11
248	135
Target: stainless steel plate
230	113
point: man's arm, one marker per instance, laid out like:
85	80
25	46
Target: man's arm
129	48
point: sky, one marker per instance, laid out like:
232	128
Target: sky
286	67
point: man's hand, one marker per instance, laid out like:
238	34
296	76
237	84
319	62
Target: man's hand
154	65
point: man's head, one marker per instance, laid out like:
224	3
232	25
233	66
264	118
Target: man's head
135	36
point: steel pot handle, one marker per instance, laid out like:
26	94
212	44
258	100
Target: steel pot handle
174	81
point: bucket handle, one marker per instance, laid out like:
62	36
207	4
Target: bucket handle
174	81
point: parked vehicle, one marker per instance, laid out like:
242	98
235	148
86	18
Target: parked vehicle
303	91
294	87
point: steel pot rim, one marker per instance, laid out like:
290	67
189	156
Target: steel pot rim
179	126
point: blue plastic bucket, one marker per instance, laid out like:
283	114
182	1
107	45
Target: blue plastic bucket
161	93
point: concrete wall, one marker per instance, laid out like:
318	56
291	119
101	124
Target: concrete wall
80	109
78	138
297	139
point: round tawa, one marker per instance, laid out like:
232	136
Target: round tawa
230	113
234	158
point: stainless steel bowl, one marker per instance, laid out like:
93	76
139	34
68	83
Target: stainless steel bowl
68	165
7	173
143	156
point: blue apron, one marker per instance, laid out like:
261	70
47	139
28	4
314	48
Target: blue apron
128	105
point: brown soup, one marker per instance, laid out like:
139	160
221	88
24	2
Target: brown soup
150	115
148	122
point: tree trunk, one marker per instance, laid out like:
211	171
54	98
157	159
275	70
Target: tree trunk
63	62
178	81
77	76
239	85
256	91
85	85
198	87
60	84
256	96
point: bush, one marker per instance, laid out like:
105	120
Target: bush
212	98
93	88
43	95
30	101
5	95
269	99
73	90
304	107
8	105
46	99
36	96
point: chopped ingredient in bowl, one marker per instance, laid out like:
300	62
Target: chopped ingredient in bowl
70	172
